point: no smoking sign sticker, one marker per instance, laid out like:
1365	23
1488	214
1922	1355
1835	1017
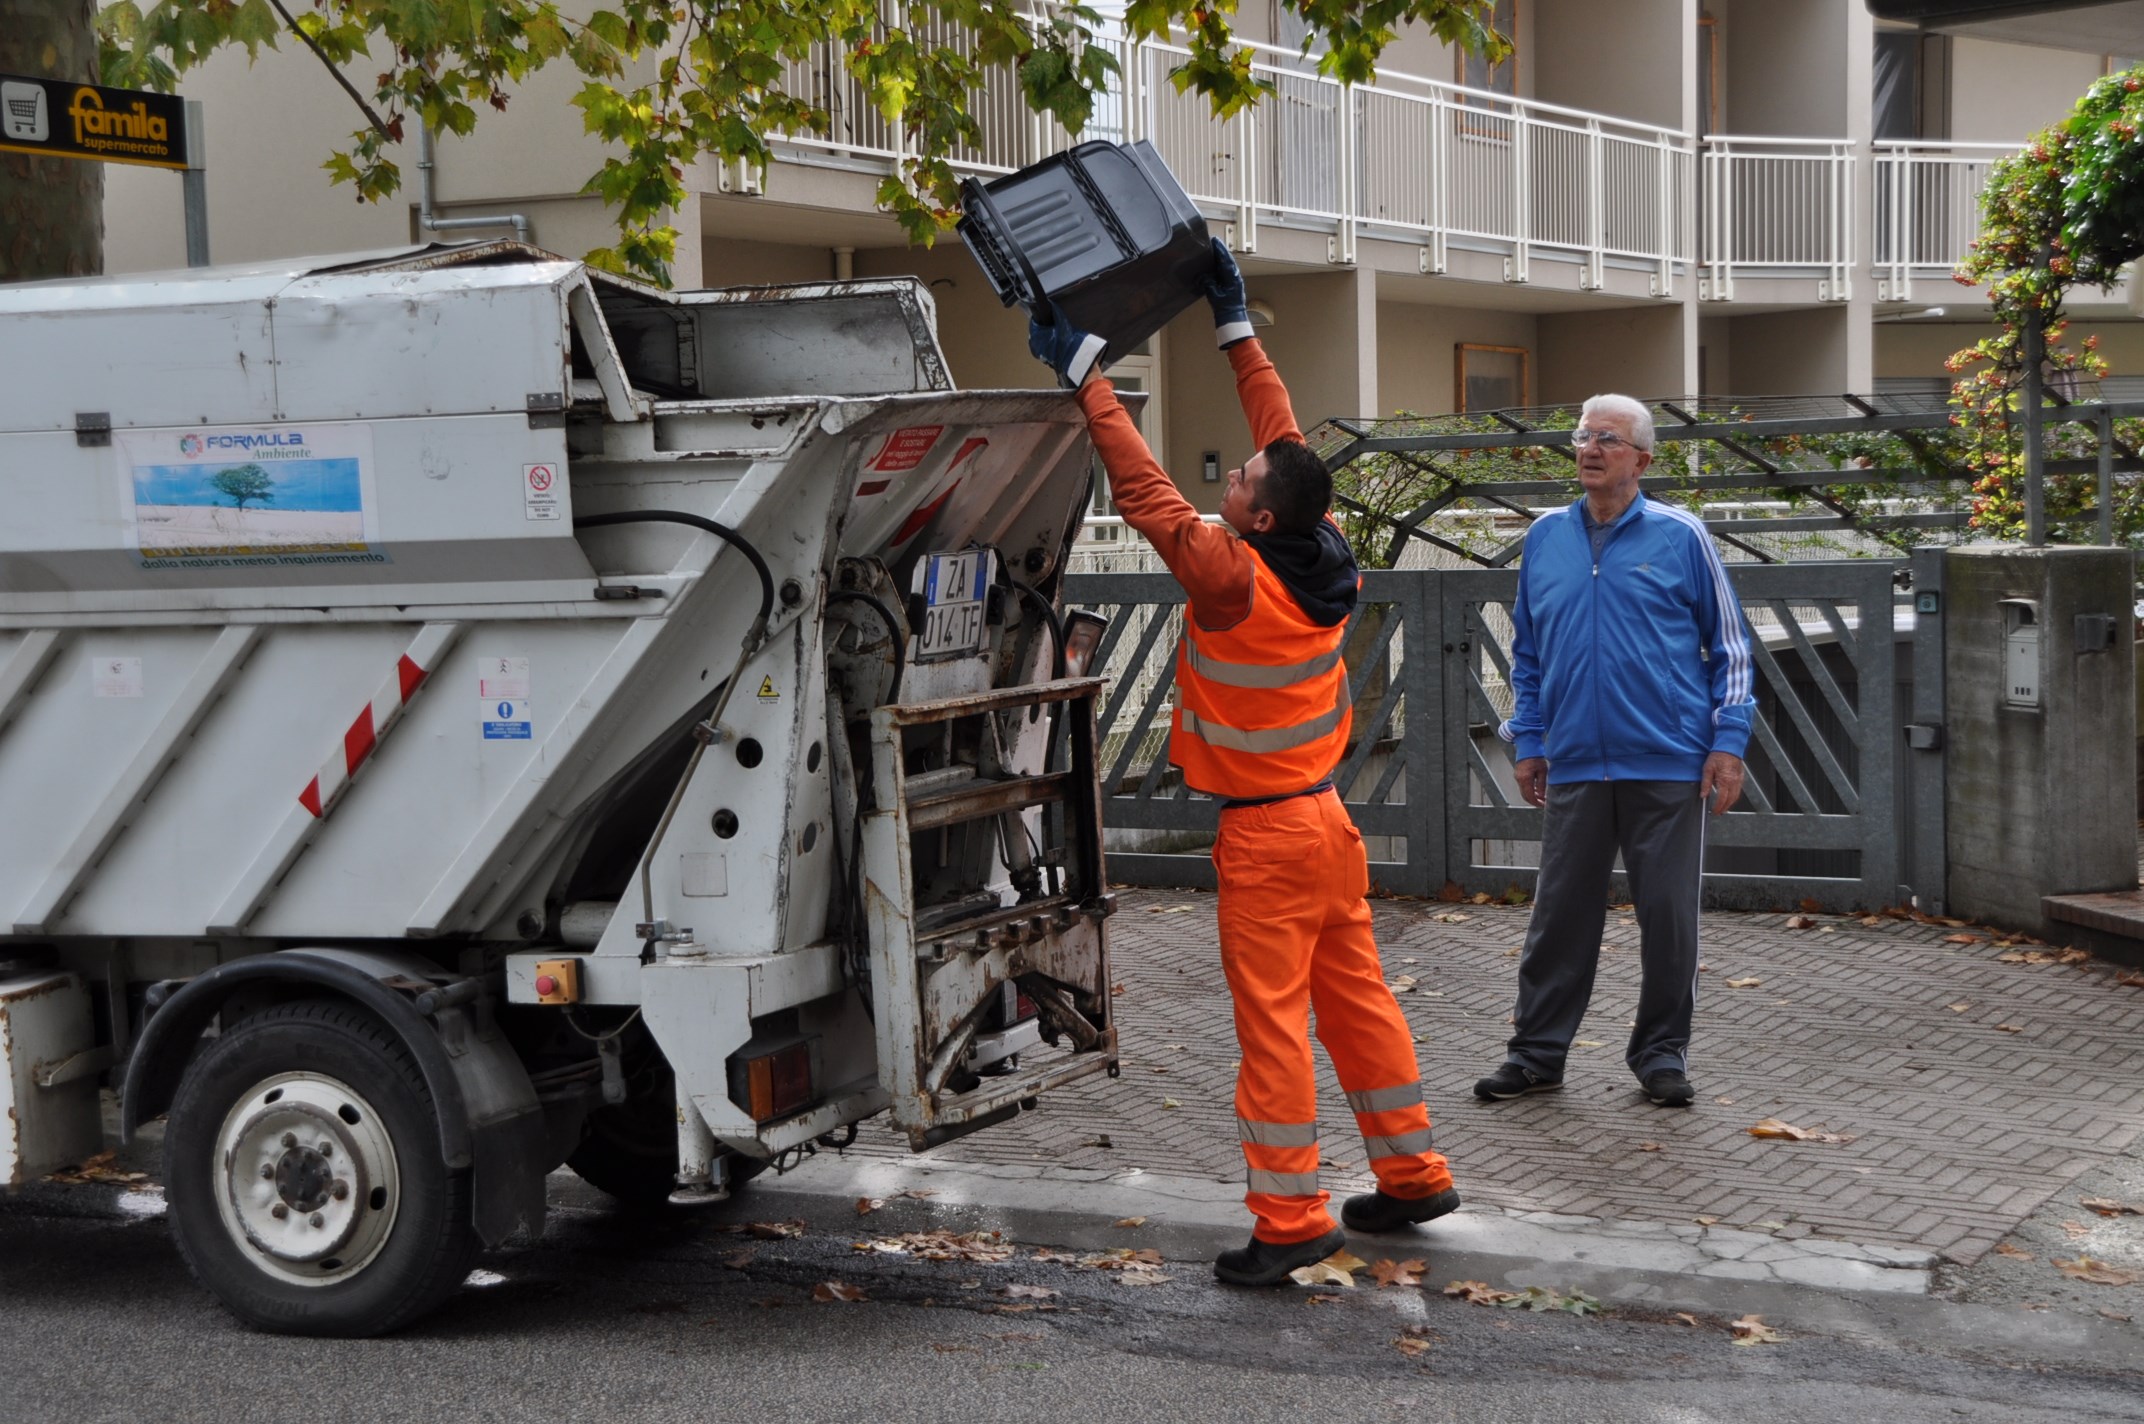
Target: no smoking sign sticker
540	492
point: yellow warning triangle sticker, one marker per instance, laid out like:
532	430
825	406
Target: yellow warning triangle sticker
766	688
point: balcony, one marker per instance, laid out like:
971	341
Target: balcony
1468	177
1485	186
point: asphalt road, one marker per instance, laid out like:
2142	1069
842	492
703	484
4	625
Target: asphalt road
689	1317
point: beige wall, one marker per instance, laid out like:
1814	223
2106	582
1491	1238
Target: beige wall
985	343
1790	353
2005	93
1783	66
1637	351
1912	348
1418	51
1621	60
1416	358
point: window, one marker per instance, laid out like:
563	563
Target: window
1477	73
1489	377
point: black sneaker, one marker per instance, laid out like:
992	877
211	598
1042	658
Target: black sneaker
1374	1211
1262	1263
1669	1088
1512	1081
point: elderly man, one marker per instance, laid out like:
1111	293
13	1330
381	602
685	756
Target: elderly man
1630	666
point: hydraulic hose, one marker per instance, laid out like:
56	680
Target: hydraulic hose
1056	625
705	733
893	631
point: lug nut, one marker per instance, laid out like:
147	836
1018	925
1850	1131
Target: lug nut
339	1190
279	1211
290	1139
327	1148
267	1172
318	1220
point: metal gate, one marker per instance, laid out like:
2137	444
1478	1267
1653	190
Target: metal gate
1430	784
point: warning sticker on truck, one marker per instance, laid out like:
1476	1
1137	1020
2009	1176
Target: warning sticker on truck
904	449
239	496
505	721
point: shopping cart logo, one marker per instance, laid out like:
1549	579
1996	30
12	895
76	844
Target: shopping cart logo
23	117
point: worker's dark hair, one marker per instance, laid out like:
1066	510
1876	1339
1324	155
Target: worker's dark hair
1295	487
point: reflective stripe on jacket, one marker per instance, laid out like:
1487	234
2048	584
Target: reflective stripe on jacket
1262	707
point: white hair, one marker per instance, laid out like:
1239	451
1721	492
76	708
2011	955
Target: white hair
1640	418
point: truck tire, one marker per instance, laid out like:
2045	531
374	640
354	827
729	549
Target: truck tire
303	1171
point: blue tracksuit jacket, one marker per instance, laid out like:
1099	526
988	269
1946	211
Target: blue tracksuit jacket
1637	669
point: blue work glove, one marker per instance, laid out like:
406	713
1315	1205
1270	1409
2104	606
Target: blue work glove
1224	293
1073	354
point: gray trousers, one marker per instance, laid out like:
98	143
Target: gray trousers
1660	828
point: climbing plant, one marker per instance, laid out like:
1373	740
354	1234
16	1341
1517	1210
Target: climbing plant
2065	211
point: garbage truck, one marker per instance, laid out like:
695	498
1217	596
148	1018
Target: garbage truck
464	712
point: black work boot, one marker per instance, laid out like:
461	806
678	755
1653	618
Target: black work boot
1263	1263
1375	1211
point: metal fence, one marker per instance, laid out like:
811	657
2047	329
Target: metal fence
1430	784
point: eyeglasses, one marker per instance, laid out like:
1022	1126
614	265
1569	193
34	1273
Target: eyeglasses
1606	439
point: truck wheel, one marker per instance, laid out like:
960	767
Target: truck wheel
303	1170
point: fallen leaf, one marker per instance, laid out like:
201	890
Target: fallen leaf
1335	1270
2010	1028
1800	922
2015	1253
1411	1346
775	1230
1960	1007
1116	991
827	1291
1587	1043
1686	1318
1129	1221
1170	1103
1961	939
1017	1291
2099	1273
1750	983
2114	1315
1321	1300
1772	1127
1398	1273
1751	1330
1155	1068
1478	1293
1169	910
2076	1230
1099	1140
866	1205
2108	1206
1454	917
1142	1278
945	1349
981	1246
921	1193
1648	1147
1725	1102
1870	920
1009	1309
2128	978
1811	905
1481	897
1706	1220
738	1260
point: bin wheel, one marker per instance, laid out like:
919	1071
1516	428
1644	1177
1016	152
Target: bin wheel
629	1151
306	1187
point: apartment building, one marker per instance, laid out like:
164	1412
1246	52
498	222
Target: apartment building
1655	196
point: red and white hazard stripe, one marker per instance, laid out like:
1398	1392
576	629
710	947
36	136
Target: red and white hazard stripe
377	718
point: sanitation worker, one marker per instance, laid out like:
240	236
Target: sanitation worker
1261	721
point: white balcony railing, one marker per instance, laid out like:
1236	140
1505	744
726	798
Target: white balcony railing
1927	209
1408	158
1782	206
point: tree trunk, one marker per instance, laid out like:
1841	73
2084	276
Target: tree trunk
51	209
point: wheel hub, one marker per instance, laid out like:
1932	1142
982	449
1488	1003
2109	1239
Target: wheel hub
310	1178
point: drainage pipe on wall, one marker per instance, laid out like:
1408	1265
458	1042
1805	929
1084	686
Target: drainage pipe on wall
426	222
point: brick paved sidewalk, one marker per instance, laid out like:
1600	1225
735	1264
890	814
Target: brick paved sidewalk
1973	1089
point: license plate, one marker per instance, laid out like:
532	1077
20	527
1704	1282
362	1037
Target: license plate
954	588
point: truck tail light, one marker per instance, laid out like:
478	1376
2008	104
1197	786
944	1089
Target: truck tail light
774	1082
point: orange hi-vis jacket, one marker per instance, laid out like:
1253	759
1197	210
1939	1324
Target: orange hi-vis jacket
1262	706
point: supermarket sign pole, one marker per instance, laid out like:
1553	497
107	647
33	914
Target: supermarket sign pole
54	118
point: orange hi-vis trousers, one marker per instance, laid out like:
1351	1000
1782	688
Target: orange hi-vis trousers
1295	938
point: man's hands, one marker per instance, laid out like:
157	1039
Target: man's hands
1224	293
1073	354
1723	774
1533	780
